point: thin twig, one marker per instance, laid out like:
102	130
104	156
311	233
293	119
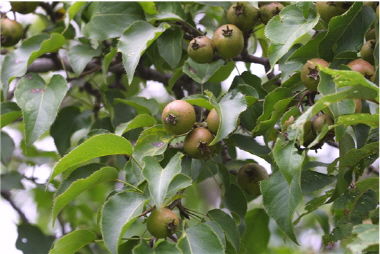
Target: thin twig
7	196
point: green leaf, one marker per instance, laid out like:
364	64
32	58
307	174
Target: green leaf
222	73
247	78
32	240
201	73
39	103
141	104
7	148
93	147
164	247
309	50
218	231
118	214
288	159
179	182
80	55
366	235
275	105
148	7
15	64
73	241
127	246
170	46
11	180
229	109
106	61
355	21
312	181
285	28
256	239
199	100
68	121
137	122
10	111
200	239
111	19
159	178
354	119
224	176
281	200
79	183
235	201
72	11
249	144
228	225
152	141
134	41
167	11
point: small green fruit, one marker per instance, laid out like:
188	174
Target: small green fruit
162	223
268	11
229	41
371	34
249	177
196	143
363	67
310	73
366	51
308	134
178	117
11	32
213	121
201	49
24	7
328	10
320	121
243	15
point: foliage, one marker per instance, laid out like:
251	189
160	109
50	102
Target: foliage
80	77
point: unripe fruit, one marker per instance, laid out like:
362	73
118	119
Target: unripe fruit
363	67
213	121
328	10
310	73
229	41
249	177
268	11
178	117
371	34
196	143
318	123
162	223
243	15
201	49
308	134
366	51
24	7
11	32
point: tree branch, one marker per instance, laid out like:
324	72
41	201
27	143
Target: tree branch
7	196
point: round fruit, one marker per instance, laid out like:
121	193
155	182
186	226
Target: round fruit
366	51
249	177
268	11
358	106
162	223
201	49
371	34
310	73
308	134
243	15
196	143
228	40
328	10
24	7
11	32
320	121
178	117
213	121
363	67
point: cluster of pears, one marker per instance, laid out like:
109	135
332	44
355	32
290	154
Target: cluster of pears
178	117
228	39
